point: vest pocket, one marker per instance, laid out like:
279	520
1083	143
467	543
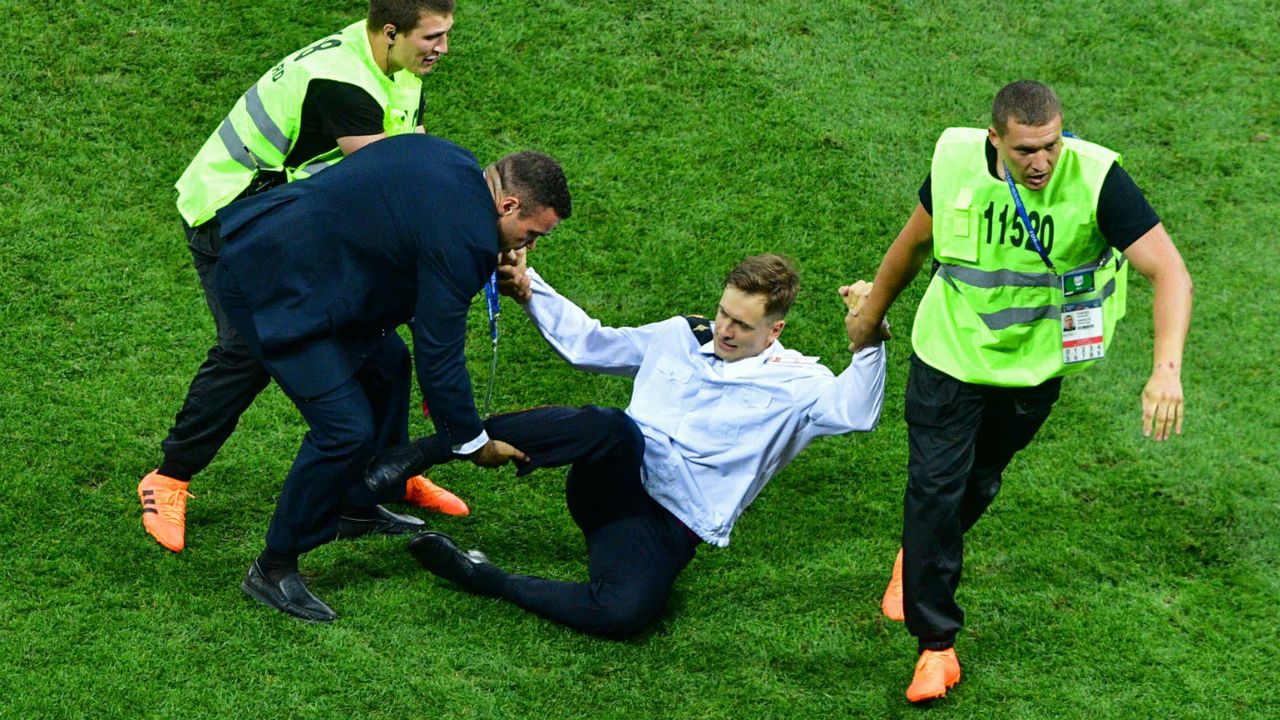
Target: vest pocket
955	237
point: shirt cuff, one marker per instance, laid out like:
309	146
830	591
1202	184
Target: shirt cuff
469	447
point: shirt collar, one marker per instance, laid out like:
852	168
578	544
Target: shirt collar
708	349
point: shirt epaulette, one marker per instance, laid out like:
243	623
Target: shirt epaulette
700	328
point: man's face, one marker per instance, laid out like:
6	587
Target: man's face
518	228
1031	151
418	50
742	329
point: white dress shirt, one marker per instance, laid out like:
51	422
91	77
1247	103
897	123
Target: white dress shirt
715	431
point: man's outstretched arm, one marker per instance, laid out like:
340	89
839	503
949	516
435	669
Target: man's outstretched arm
580	339
851	402
901	263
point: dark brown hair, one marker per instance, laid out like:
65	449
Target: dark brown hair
537	179
773	276
1027	102
404	14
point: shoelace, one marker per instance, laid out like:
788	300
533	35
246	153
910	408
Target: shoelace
172	504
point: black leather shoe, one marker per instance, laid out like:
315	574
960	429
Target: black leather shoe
394	465
289	596
440	555
398	464
355	522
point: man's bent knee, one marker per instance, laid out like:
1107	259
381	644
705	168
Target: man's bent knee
620	430
624	614
620	623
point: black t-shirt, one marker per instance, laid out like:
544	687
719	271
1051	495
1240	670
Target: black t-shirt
1124	215
333	109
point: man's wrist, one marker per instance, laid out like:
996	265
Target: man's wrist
473	445
866	319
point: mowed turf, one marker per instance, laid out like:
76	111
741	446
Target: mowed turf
1113	577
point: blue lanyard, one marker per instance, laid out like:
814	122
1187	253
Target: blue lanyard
491	303
1026	222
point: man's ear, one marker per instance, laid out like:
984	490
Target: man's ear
508	205
776	330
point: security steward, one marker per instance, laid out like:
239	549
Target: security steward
307	112
1028	228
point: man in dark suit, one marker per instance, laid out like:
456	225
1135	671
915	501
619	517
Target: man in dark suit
316	276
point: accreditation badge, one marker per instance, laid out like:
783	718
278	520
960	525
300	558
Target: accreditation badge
1081	319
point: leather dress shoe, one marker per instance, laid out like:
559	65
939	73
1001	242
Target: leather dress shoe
289	596
355	522
442	557
392	466
399	464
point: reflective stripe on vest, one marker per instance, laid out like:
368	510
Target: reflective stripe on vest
991	279
1016	316
234	145
263	121
314	168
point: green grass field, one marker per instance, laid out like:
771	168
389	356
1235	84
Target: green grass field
1113	578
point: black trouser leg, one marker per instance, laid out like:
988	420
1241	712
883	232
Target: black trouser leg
635	548
555	436
345	425
334	454
961	437
1012	418
942	416
552	436
386	378
224	386
633	563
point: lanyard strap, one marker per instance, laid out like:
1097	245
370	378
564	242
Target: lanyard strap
491	304
1026	222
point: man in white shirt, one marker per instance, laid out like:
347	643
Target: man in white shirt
715	412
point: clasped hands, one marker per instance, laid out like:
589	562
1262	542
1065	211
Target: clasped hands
513	280
863	329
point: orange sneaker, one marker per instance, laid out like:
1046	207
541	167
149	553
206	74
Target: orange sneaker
425	494
891	603
936	671
164	509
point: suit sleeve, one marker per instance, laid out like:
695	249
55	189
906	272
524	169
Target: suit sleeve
447	281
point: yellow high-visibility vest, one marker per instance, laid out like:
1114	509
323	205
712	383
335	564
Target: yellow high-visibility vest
264	123
992	312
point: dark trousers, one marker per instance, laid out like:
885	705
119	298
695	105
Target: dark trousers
226	383
346	427
635	547
961	436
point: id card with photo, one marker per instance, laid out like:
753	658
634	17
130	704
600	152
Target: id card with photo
1082	331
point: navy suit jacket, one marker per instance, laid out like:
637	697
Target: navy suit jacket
402	231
